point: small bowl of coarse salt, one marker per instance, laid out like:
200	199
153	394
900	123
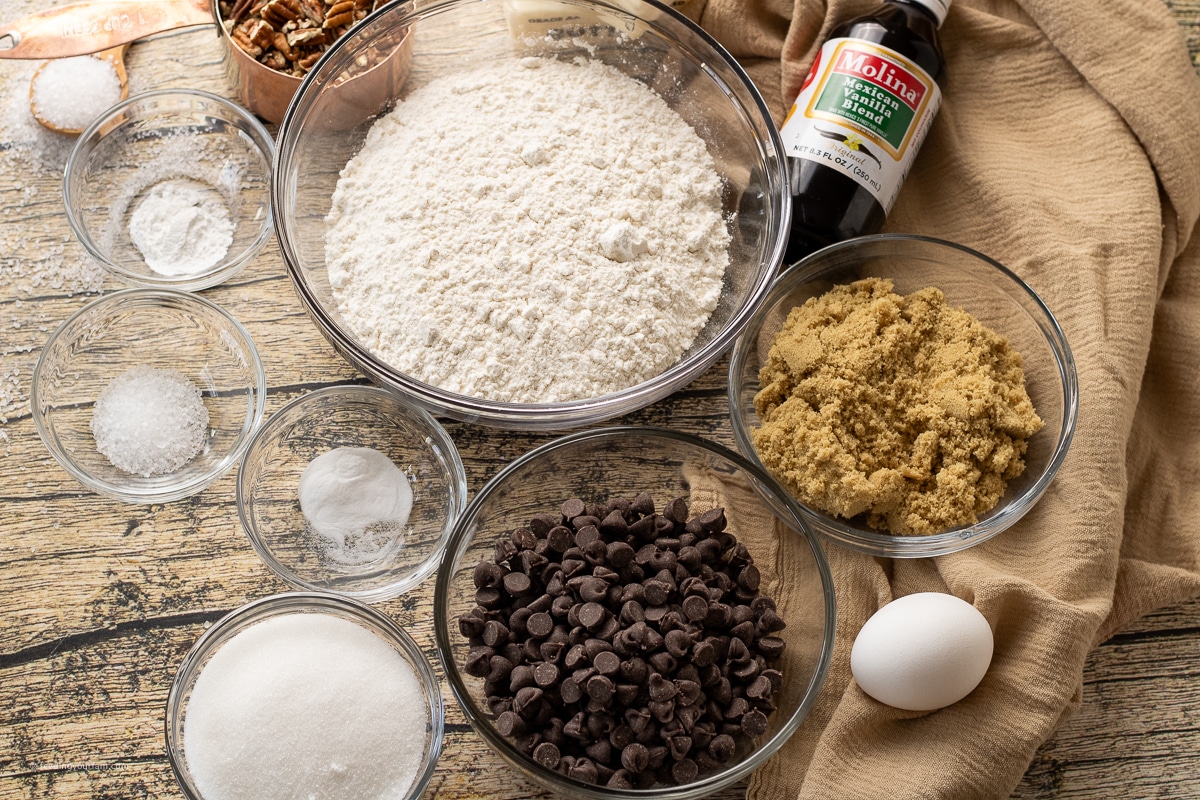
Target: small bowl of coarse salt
171	189
304	695
351	490
148	395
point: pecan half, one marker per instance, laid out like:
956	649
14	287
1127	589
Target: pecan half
306	36
339	14
277	13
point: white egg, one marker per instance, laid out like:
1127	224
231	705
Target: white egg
922	652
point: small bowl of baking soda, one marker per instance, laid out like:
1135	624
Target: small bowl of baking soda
351	490
171	189
148	395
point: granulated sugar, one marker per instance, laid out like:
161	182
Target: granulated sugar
533	231
150	421
71	92
305	705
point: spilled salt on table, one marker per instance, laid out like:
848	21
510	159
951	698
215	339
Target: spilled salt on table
71	92
150	421
357	501
305	705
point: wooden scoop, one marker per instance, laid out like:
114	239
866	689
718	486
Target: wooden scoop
114	55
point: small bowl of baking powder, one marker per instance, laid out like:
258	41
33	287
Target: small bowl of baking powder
148	395
351	490
171	189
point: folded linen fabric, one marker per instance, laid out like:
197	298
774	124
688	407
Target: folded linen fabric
1066	149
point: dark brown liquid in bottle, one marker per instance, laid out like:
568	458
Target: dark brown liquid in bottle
827	205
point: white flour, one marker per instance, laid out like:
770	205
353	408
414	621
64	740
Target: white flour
533	231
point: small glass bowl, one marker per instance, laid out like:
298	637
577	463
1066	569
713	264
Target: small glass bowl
279	605
160	328
595	465
984	288
184	137
350	416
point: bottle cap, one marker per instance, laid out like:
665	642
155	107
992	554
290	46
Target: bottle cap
936	7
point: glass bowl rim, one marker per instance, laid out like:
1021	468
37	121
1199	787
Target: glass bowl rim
456	477
305	602
228	267
956	539
119	300
528	416
699	788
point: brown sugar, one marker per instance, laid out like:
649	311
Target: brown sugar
900	408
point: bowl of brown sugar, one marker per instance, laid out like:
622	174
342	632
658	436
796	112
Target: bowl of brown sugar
912	396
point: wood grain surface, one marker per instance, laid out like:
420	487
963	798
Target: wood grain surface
99	601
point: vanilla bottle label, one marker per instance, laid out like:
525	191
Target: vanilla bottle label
863	110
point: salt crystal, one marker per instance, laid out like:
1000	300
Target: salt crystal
71	92
305	705
150	421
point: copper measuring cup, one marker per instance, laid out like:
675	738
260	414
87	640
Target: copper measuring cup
90	26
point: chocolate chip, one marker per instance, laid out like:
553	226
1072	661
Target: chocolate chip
487	575
572	508
684	771
695	607
635	757
754	723
591	615
510	724
539	625
621	779
608	663
721	748
528	701
771	647
545	675
584	769
599	688
570	691
547	754
676	511
478	661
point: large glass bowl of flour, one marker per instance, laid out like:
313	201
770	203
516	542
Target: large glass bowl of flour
565	212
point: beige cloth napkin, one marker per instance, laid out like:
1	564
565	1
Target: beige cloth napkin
1068	148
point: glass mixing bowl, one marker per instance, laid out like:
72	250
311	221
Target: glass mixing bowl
984	288
328	121
595	466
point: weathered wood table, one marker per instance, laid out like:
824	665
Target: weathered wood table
99	600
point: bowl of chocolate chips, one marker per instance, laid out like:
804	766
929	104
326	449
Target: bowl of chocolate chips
615	620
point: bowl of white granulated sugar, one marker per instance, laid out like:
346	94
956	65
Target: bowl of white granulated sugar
170	189
148	395
558	218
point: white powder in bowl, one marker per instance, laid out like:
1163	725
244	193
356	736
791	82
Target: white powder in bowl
357	501
532	231
71	92
305	705
149	421
181	228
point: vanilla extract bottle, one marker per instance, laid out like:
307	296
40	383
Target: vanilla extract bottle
859	120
